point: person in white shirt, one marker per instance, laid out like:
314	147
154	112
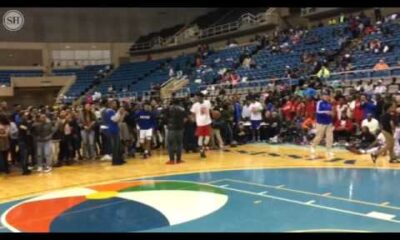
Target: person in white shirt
201	109
368	87
371	123
376	146
246	110
380	88
255	118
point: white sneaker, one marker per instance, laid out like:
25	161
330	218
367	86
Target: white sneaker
40	169
47	170
106	158
312	150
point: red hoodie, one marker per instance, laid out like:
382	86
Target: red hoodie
348	125
310	108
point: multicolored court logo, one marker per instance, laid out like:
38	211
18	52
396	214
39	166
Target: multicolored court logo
13	20
118	207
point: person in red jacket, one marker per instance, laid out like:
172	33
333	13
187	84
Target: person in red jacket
343	129
287	110
358	113
300	108
310	107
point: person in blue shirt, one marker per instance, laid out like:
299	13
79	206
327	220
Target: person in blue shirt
146	120
324	118
112	116
368	106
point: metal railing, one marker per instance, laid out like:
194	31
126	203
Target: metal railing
245	19
368	74
156	41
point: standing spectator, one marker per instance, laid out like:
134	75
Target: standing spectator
378	15
113	115
87	121
256	109
43	130
4	143
387	126
23	142
324	124
175	116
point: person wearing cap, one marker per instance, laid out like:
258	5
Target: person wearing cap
324	117
201	109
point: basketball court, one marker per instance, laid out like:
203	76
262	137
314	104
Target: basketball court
251	188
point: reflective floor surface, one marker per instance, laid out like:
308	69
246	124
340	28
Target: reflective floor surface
285	191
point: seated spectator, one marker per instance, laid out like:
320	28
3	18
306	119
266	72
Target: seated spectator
234	78
253	63
343	129
380	88
271	127
375	46
381	65
309	126
363	142
371	123
324	72
386	48
368	87
246	62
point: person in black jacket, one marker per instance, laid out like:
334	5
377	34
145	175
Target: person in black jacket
364	140
24	128
174	117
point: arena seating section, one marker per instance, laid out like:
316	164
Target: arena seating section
5	75
84	79
140	76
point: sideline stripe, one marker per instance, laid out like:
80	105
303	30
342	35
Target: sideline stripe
315	194
312	205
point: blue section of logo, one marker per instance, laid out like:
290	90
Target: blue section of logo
109	215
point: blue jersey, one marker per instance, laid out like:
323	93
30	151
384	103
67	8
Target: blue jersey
322	116
145	120
113	127
369	108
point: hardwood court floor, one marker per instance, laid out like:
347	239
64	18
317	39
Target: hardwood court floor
252	156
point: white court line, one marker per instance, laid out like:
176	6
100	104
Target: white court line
280	186
311	205
261	193
379	215
310	202
223	186
326	195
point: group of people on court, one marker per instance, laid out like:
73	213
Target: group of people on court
383	144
